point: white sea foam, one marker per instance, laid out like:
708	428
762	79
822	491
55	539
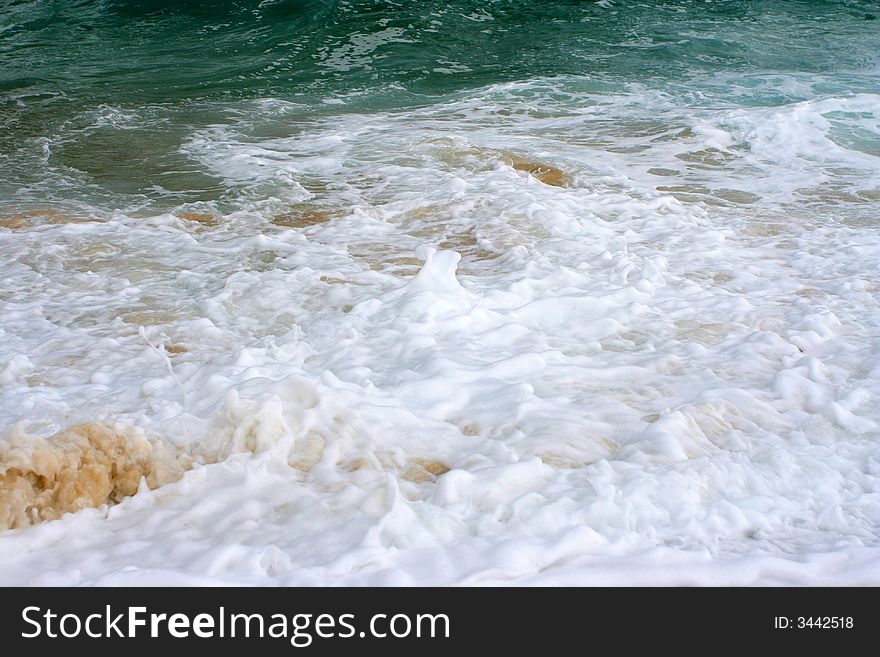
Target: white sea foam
664	372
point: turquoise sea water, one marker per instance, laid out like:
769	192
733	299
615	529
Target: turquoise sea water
97	97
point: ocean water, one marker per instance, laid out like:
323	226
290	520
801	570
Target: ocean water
459	292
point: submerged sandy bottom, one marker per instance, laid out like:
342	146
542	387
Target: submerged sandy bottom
533	349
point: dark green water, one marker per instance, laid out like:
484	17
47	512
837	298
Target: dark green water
183	66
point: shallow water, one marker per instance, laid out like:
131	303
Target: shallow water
459	292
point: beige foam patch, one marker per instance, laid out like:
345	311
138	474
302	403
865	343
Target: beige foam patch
335	280
148	317
81	467
33	218
547	174
466	243
302	217
709	333
203	218
398	265
563	461
766	229
386	259
357	464
469	156
308	453
15	223
424	470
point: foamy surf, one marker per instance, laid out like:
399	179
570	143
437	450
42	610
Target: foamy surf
560	330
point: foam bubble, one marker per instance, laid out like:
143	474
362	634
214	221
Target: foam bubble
83	466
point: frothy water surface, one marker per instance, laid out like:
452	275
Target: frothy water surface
461	292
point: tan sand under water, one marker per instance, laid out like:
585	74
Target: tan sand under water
549	175
203	218
302	217
34	218
80	467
